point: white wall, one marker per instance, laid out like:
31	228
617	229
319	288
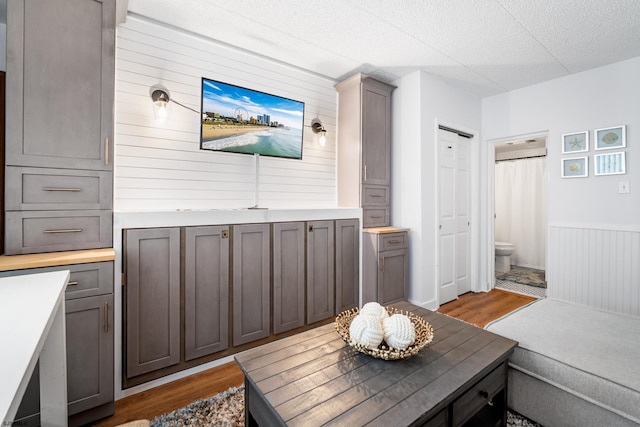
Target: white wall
419	104
159	166
603	97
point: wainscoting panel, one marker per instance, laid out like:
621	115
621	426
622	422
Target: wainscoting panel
597	266
159	166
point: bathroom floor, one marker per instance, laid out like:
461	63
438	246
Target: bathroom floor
523	280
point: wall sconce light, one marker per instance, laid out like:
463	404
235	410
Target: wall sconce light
161	106
317	128
161	100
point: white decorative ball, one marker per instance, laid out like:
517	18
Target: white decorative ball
374	309
399	331
366	330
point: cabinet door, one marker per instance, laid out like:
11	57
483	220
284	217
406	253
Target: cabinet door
393	271
206	290
89	324
376	133
152	299
347	264
60	80
288	276
251	271
89	335
320	271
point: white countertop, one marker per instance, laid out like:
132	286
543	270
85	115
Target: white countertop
227	217
28	305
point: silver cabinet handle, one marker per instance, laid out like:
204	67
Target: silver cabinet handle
393	242
382	264
376	216
375	195
72	283
106	317
365	173
61	189
68	230
106	151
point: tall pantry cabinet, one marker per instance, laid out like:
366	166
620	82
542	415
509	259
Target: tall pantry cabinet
364	147
59	125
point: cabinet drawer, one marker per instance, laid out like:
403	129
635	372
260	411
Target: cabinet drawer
85	280
51	231
479	395
57	189
375	195
375	217
392	241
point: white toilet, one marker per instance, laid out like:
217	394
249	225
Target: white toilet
503	256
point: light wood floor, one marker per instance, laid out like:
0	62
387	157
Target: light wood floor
478	309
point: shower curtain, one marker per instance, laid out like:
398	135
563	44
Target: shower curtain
521	209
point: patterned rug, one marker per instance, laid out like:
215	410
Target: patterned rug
227	409
524	276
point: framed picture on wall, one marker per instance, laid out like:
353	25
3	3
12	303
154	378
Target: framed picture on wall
575	167
609	163
613	137
575	142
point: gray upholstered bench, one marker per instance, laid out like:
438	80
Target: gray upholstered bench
574	365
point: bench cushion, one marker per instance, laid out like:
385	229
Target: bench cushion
592	354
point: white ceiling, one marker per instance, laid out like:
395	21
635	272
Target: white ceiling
485	46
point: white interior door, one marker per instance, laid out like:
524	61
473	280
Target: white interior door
454	251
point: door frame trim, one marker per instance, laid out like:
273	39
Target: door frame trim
491	187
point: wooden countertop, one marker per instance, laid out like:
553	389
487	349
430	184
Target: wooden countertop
20	262
384	230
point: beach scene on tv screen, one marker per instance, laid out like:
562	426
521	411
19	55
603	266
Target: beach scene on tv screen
241	120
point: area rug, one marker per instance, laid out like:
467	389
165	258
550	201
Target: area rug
227	409
524	276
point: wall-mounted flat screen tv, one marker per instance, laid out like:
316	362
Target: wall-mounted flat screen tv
241	120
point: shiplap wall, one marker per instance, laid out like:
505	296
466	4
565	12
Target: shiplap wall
597	266
159	166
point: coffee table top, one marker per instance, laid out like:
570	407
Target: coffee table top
314	377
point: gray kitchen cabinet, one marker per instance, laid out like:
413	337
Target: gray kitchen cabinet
288	276
89	337
251	282
320	271
152	299
59	125
385	265
89	344
206	290
347	264
60	83
364	136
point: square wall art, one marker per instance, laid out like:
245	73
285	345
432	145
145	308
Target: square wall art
575	167
613	137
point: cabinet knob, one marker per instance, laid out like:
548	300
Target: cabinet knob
310	228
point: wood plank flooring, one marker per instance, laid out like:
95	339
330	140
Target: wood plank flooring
476	308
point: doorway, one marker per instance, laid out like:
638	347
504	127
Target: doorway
519	225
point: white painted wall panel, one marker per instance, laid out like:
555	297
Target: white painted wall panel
159	166
596	266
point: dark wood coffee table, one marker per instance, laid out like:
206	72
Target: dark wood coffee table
314	378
